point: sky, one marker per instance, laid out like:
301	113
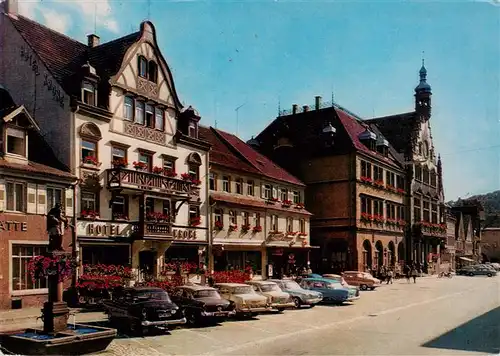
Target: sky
261	55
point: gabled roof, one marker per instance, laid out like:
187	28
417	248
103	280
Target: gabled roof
231	152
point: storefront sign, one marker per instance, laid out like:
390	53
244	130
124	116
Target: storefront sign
103	230
183	234
13	226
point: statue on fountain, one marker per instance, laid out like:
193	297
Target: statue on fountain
56	224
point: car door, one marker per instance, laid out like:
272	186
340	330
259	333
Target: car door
177	297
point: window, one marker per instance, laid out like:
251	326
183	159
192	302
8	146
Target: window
366	205
143	67
418	173
118	154
433	178
54	196
166	207
289	224
400	182
159	119
226	184
232	217
16	142
88	201
366	169
256	219
378	207
390	211
119	207
246	218
426	179
378	174
128	108
15	196
401	212
268	191
89	149
239	186
21	256
417	210
218	213
193	170
426	211
150	116
88	93
250	188
193	129
434	216
139	112
390	179
284	194
194	212
274	222
169	164
152	71
146	159
212	181
149	205
296	197
302	226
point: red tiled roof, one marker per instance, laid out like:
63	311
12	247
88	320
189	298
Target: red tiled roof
33	167
229	151
254	202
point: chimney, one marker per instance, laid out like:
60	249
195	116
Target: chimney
305	108
11	7
92	40
318	102
294	108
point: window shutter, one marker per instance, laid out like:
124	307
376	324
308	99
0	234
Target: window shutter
41	199
262	191
275	192
2	195
68	201
31	199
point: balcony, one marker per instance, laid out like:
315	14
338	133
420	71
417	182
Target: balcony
120	178
164	230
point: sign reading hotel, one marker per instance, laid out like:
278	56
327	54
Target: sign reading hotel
103	229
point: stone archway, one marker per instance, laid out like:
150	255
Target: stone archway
391	254
379	254
367	255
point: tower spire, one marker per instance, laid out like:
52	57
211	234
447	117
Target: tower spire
423	93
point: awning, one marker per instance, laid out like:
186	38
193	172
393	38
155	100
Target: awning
466	259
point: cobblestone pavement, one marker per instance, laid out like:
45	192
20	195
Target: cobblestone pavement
433	316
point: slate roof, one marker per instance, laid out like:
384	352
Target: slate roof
231	152
33	167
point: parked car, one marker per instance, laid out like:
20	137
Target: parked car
363	280
477	270
495	265
278	299
299	295
247	302
201	303
331	291
140	308
339	279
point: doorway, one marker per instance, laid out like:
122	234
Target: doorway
147	263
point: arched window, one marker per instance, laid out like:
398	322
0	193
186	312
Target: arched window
90	136
152	71
194	162
142	64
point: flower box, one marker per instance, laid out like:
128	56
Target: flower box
391	188
196	181
401	223
401	191
89	214
233	227
292	233
158	170
245	228
286	203
218	225
301	234
257	229
140	165
367	180
119	163
379	183
186	177
366	218
170	173
118	216
378	219
92	160
157	217
195	221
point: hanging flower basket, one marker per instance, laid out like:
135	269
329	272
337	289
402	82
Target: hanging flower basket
43	266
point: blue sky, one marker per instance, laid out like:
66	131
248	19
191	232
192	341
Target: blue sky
224	54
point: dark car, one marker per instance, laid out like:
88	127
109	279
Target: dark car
201	303
141	308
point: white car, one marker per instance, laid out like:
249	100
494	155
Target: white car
247	301
275	296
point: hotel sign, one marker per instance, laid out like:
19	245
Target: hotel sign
103	229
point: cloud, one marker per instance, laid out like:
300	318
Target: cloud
98	11
58	21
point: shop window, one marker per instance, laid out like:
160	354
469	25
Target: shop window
289	224
89	94
426	209
417	212
119	207
152	71
302	226
159	119
434	217
114	254
16	141
193	129
257	219
212	181
89	152
139	112
239	186
366	205
21	256
250	188
226	184
88	201
274	222
15	197
296	197
246	218
232	217
366	169
194	212
268	191
218	214
54	196
150	116
128	108
378	207
284	194
147	159
143	66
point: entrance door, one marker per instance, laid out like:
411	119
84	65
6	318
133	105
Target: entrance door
147	261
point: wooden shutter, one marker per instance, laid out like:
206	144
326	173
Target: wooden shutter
31	198
41	199
3	195
262	191
68	199
274	192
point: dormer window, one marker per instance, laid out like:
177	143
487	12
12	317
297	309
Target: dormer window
150	116
383	146
143	67
88	93
16	141
152	71
147	69
193	129
368	138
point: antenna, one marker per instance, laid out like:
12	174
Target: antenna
237	116
423	58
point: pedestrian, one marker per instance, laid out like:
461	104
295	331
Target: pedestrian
389	276
407	273
414	273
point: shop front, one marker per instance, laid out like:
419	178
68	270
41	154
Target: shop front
229	256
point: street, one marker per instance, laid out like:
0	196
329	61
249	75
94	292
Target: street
434	316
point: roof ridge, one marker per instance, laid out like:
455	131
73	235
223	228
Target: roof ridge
117	39
230	146
389	116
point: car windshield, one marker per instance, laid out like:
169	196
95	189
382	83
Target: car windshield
367	275
207	293
243	290
152	295
270	288
292	285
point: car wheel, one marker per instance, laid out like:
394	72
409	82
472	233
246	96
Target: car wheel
192	318
363	287
490	274
312	305
136	328
372	288
471	274
297	302
281	310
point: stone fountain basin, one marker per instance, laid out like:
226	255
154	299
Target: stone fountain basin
78	339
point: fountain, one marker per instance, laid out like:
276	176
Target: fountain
56	337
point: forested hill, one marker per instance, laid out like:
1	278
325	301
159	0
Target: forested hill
491	205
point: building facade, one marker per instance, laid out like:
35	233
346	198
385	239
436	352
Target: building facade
32	181
355	184
257	212
135	149
490	244
468	237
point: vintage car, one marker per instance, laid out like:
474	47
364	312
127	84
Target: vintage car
339	279
299	295
477	270
331	290
363	280
247	301
201	303
140	308
278	299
